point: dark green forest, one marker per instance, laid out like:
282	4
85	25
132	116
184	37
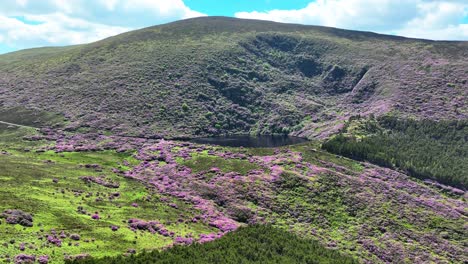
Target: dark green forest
424	149
252	244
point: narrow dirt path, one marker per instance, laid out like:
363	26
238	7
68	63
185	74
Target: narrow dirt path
16	125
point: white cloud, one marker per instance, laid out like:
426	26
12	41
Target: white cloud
452	32
412	18
56	29
64	22
22	2
111	12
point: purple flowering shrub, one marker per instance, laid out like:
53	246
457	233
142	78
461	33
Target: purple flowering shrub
23	258
101	181
43	259
375	214
223	200
53	239
95	216
150	226
183	241
17	217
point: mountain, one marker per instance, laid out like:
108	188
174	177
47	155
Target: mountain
212	75
86	177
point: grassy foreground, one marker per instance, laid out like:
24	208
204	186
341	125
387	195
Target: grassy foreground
105	196
48	186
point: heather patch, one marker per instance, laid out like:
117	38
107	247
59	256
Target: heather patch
205	162
63	206
17	217
101	181
340	205
179	193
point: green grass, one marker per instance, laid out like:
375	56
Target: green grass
26	180
28	117
311	152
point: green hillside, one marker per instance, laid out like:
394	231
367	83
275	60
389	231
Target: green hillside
68	196
95	166
216	75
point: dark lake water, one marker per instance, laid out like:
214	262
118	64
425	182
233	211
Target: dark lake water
264	141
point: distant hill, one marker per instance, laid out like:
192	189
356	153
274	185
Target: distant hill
212	75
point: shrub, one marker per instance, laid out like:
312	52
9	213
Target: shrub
252	244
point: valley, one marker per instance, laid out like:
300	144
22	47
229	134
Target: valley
211	139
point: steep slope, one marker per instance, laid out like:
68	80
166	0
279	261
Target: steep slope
216	75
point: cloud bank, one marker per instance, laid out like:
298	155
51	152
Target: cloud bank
32	23
411	18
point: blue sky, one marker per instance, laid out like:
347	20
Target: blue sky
37	23
230	7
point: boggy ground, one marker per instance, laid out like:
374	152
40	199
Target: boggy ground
150	194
